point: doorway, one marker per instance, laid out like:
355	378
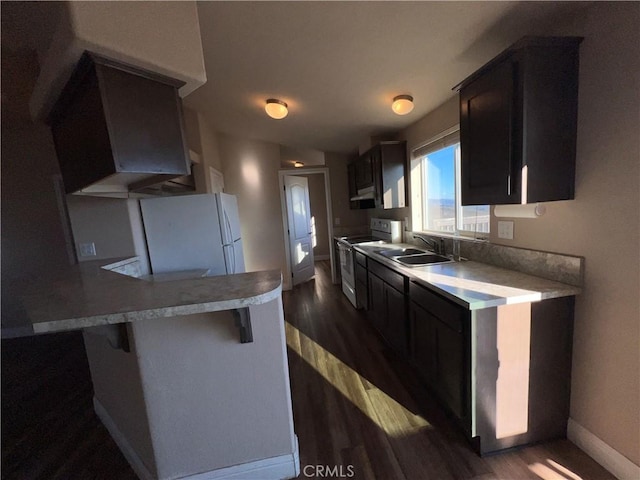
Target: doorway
323	222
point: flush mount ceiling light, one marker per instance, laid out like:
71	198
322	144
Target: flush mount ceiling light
298	164
276	108
402	104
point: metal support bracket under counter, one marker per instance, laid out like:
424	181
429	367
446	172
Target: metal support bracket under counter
242	319
116	335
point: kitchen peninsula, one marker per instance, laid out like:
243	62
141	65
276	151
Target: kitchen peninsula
190	374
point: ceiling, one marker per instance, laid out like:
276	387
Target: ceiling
339	64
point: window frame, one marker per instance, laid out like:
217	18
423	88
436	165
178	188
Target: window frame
444	139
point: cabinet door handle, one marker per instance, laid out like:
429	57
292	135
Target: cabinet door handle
512	100
386	305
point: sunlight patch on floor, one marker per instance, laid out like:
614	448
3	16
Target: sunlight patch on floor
554	471
393	418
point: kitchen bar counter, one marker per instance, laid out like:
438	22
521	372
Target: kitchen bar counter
474	285
88	295
180	396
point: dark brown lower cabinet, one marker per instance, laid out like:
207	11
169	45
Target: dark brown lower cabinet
396	331
439	349
451	370
362	289
503	372
377	306
388	306
423	336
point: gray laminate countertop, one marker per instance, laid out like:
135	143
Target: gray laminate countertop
474	285
88	295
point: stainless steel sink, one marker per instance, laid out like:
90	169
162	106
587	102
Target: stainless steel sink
399	252
413	257
421	260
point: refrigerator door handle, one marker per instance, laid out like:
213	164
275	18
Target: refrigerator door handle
227	223
233	246
233	253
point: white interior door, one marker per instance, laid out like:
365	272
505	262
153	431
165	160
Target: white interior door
300	237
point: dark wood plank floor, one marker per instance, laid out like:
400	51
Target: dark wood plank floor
49	429
355	404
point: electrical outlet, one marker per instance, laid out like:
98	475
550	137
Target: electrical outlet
336	221
87	249
505	230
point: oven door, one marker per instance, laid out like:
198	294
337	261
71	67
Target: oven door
346	270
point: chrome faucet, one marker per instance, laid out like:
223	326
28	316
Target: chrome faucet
456	250
437	246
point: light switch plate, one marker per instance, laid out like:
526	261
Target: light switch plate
87	249
505	230
336	221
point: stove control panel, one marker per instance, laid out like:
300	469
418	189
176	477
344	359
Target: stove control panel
388	230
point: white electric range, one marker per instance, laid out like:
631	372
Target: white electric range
382	231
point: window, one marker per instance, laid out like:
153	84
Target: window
435	182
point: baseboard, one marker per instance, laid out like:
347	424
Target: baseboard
616	463
127	450
317	258
274	468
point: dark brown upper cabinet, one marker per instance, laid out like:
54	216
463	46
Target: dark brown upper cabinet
380	177
118	128
518	122
357	200
363	172
389	160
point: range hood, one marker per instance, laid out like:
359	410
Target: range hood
118	130
150	185
367	193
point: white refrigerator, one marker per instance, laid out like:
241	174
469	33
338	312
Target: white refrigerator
193	232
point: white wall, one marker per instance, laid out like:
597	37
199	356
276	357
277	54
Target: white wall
203	140
250	168
103	221
210	147
33	237
192	130
309	157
